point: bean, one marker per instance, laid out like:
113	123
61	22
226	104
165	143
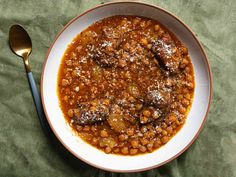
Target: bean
130	132
144	141
164	139
78	127
64	82
185	62
122	137
139	106
104	134
150	146
143	119
185	102
156	115
182	110
70	113
149	46
116	150
157	143
142	148
187	69
94	141
184	50
187	96
169	130
134	143
86	128
172	118
157	27
133	151
146	113
164	132
144	42
158	129
189	78
107	149
125	150
93	129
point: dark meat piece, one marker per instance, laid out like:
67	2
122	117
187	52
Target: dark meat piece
92	112
157	97
165	51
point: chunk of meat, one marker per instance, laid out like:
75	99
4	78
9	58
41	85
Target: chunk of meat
157	97
91	112
165	51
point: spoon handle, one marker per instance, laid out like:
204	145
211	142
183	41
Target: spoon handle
38	104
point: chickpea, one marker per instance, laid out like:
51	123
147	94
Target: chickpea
139	106
76	112
150	146
136	21
187	96
169	130
122	137
156	115
94	141
158	129
149	46
156	27
146	113
134	143
70	112
190	85
164	132
143	119
106	102
133	151
130	132
189	78
107	149
144	141
179	97
104	134
187	69
86	128
64	82
184	50
157	143
79	128
172	118
164	139
116	150
125	150
144	42
185	102
94	129
185	62
142	148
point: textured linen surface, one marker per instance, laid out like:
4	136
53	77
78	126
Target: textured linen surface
25	151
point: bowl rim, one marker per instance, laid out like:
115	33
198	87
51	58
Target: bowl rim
141	169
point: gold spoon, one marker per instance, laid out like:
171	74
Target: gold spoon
21	45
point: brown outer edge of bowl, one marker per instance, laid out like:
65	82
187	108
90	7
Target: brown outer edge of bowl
142	169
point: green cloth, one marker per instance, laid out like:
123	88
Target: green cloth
24	149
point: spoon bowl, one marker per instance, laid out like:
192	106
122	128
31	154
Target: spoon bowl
20	41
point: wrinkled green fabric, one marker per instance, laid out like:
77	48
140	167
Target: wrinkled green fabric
24	149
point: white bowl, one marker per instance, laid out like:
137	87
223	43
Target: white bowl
179	143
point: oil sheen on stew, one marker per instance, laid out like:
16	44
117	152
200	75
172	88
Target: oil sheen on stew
126	84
